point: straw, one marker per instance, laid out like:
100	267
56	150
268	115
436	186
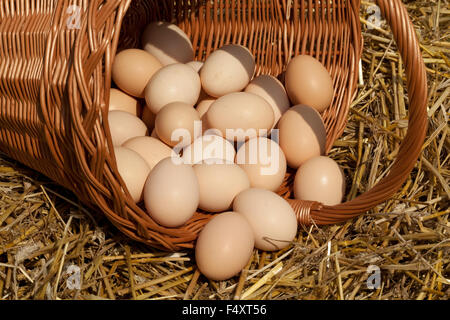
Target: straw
52	247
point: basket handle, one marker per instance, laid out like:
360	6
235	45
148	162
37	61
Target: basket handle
404	34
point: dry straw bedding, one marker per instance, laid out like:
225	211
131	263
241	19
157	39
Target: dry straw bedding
46	236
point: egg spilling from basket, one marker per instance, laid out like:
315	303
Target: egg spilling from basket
209	135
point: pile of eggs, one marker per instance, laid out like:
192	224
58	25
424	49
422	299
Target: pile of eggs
192	135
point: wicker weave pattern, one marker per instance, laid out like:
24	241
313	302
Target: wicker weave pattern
54	84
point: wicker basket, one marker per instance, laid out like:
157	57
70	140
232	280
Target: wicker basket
55	81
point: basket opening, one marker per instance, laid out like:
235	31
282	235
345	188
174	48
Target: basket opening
273	31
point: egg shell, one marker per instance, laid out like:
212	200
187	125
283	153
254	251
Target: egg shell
271	218
134	171
243	115
219	185
149	118
272	90
175	117
320	179
124	126
171	193
151	149
173	83
264	163
196	65
209	149
309	82
227	70
302	135
168	43
121	101
132	69
224	246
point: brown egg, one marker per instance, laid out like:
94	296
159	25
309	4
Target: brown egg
264	162
302	135
240	116
272	219
124	126
133	169
308	82
219	185
176	124
227	70
209	147
173	83
119	100
224	246
272	90
152	150
149	118
168	43
171	193
320	179
132	69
